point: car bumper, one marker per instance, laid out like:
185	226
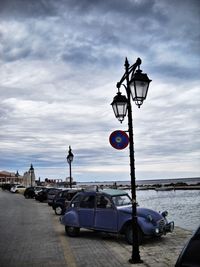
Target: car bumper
167	228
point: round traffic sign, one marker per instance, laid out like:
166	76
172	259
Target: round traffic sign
119	139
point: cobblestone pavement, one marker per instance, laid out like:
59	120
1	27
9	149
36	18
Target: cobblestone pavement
31	235
27	235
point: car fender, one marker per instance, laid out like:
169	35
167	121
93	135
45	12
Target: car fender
71	218
124	226
58	203
145	226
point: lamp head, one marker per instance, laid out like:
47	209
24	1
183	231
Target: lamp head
70	155
119	106
139	85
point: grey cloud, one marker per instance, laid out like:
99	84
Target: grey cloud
23	8
79	55
60	67
175	72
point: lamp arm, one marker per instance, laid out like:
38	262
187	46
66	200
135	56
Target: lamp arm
130	69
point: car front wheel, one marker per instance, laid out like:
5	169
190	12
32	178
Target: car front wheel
58	210
72	231
129	236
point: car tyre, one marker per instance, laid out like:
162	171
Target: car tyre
72	231
128	235
58	210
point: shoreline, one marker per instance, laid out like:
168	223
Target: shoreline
157	187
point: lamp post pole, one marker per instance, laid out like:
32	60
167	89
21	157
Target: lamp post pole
137	87
135	258
70	158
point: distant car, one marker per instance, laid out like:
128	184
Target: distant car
7	186
18	189
41	195
30	191
111	211
62	200
51	195
190	254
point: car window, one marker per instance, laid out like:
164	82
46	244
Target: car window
64	194
87	202
75	201
70	196
103	202
53	191
60	194
122	200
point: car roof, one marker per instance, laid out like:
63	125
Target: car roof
110	192
114	192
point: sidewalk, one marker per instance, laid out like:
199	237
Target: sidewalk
32	236
93	249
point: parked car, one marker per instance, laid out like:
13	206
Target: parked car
62	200
110	210
7	186
31	191
51	195
18	189
41	195
190	254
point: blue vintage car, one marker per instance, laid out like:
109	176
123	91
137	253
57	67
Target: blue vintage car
110	210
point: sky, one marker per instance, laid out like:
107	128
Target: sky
59	65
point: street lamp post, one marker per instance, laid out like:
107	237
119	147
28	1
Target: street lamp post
70	158
137	87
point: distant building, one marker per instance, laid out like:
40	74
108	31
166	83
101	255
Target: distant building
10	177
28	179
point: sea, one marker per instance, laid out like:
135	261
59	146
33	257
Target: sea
183	206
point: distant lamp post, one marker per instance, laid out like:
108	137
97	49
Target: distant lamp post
31	170
136	87
70	158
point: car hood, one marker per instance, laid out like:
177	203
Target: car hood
142	212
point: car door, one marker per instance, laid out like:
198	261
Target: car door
86	211
105	214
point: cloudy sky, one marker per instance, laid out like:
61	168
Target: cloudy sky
59	65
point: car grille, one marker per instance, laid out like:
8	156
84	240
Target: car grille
161	225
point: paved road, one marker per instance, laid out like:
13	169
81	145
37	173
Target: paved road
31	236
27	234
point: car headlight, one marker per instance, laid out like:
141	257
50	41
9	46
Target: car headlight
164	213
157	231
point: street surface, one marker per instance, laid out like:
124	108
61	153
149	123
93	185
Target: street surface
31	236
27	235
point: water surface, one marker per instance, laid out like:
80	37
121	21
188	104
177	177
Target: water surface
183	205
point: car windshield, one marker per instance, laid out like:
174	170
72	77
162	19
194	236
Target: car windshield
122	200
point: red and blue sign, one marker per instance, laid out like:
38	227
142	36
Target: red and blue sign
119	139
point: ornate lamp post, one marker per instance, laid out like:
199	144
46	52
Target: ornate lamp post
70	158
136	87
